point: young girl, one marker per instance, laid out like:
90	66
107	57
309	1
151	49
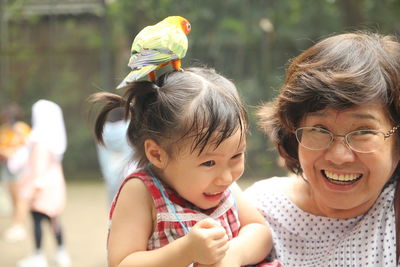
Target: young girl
42	183
183	206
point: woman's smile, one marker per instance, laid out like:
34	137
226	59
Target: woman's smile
340	178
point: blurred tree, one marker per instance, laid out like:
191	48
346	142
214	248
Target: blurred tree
60	55
352	12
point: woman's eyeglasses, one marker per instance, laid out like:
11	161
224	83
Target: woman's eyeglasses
363	141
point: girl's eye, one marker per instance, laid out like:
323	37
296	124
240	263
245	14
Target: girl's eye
208	163
237	156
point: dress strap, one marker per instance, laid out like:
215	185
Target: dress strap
162	190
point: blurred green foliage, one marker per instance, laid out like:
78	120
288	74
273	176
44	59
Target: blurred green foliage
67	57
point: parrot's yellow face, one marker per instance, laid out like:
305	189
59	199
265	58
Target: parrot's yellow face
180	22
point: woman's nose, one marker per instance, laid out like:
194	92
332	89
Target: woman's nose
339	152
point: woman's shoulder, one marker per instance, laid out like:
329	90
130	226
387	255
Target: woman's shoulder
269	190
270	196
270	185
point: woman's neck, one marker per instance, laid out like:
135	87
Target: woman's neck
300	193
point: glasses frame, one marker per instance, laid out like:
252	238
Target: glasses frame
345	137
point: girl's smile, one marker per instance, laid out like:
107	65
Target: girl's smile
203	179
213	196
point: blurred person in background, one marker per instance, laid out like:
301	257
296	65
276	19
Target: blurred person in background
13	137
114	156
42	183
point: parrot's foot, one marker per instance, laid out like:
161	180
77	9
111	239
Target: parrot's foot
152	76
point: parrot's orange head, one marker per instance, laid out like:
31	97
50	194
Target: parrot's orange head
181	22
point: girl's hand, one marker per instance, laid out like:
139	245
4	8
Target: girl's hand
231	259
208	242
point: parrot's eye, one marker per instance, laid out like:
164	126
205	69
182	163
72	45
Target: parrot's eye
185	26
188	27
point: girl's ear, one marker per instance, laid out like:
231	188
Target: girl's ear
155	154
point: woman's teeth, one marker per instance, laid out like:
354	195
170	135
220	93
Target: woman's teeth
341	178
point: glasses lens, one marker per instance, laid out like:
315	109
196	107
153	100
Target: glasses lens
313	137
365	141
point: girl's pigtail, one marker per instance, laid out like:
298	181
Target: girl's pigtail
140	104
139	97
111	101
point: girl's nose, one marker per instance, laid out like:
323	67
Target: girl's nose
225	178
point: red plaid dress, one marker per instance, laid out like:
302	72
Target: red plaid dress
169	218
168	222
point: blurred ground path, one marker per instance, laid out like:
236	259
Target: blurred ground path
85	221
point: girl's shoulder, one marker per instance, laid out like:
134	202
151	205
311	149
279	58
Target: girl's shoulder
132	190
134	181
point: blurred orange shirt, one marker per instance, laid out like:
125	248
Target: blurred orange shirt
12	137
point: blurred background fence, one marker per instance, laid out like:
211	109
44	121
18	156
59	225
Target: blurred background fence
65	50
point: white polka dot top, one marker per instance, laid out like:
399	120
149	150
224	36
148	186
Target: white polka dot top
303	239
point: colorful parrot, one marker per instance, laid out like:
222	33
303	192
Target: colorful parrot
157	46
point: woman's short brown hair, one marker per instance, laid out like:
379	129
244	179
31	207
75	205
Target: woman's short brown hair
341	71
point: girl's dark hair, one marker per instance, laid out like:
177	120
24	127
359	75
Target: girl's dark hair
196	103
338	72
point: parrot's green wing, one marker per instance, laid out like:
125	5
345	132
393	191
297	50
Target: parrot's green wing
158	44
151	57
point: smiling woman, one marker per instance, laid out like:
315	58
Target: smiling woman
335	122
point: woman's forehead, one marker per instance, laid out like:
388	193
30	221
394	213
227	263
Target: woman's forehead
368	112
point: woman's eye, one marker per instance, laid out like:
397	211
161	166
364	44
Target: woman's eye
364	132
319	129
208	163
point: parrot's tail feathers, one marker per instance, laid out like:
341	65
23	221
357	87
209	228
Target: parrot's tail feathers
136	75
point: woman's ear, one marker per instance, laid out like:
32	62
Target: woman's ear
155	154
